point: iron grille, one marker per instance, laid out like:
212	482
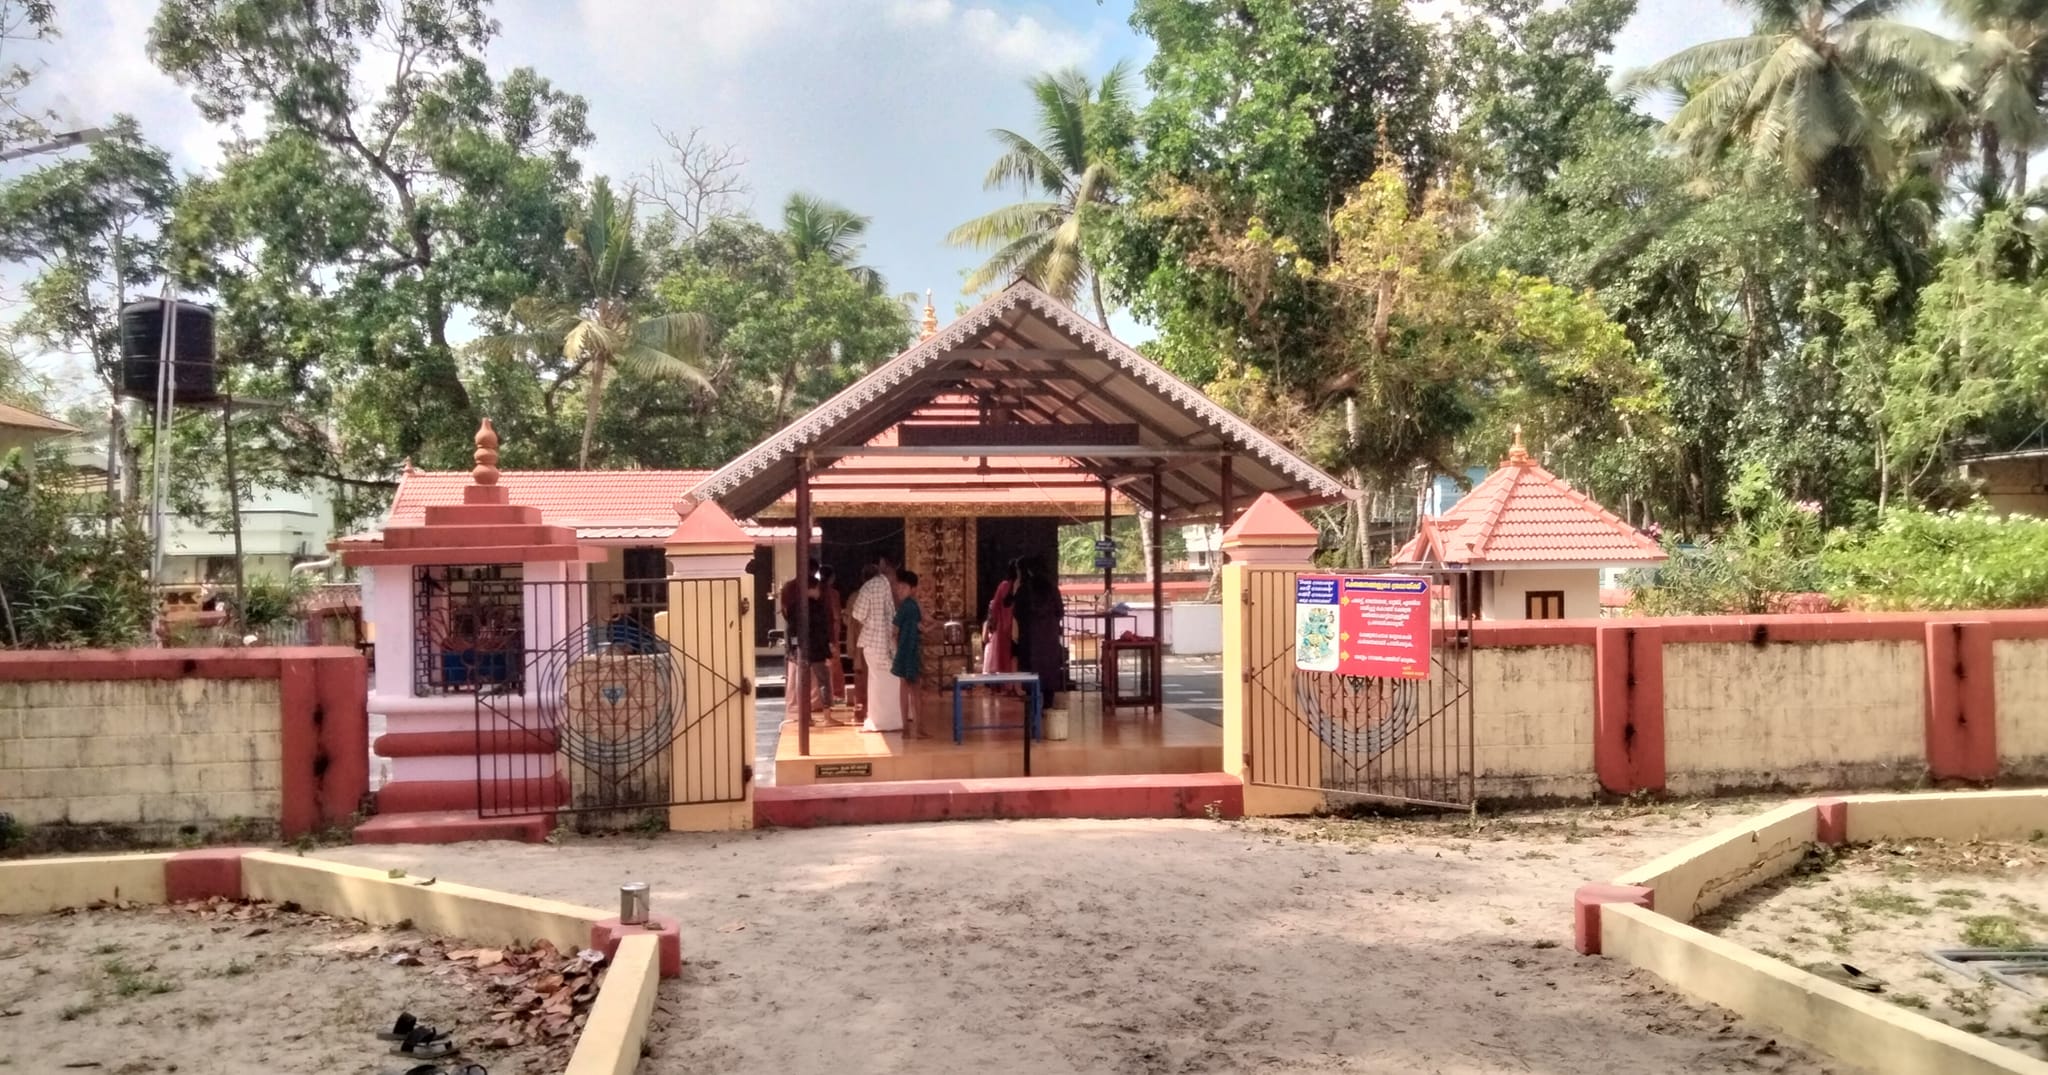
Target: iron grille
469	629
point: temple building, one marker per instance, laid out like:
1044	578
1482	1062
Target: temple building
1531	546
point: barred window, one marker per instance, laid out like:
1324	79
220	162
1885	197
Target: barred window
469	631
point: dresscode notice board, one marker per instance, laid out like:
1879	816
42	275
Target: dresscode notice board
1362	625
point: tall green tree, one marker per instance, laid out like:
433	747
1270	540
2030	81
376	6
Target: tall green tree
1825	90
816	228
90	230
2005	72
1084	132
602	328
789	331
393	185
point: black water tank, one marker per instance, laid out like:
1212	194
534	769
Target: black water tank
142	347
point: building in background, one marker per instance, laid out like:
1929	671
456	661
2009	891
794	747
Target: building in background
1534	547
2013	483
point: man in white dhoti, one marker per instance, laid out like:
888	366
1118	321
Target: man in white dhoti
874	612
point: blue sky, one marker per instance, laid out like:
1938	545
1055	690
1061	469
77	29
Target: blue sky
881	105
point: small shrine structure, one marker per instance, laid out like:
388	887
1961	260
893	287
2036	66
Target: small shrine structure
1533	545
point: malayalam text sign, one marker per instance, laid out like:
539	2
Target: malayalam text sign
1362	625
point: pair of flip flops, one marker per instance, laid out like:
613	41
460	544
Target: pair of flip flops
421	1041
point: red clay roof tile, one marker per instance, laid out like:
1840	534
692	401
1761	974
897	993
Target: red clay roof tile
1523	513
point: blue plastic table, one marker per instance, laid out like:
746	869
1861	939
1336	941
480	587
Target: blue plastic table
997	679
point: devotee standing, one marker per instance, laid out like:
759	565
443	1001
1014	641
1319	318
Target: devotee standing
835	672
997	629
1040	611
907	665
874	616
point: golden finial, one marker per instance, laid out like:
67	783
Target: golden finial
931	318
486	471
1517	454
405	465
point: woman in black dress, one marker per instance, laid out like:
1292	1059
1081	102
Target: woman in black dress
1039	610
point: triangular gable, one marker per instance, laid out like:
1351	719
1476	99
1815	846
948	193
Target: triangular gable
1182	424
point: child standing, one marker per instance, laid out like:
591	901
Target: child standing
908	663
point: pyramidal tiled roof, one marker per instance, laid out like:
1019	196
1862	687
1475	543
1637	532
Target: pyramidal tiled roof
1524	514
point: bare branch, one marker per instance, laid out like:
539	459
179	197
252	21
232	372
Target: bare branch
699	183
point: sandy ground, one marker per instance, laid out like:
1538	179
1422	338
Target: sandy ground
1142	946
1881	909
128	992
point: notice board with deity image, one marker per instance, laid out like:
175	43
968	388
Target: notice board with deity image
1362	625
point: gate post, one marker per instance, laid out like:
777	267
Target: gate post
710	625
1265	742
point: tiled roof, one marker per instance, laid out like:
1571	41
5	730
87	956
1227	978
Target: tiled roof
1524	514
634	501
23	418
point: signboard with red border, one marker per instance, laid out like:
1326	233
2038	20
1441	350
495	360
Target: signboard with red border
1362	625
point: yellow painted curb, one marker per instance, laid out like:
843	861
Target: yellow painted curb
1964	815
612	1036
481	915
39	886
1697	877
1853	1027
1850	1026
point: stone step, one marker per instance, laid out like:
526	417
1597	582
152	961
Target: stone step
433	744
1156	795
528	793
452	827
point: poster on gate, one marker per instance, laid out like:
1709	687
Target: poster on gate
1362	625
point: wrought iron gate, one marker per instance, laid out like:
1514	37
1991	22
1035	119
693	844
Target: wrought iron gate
1401	741
581	705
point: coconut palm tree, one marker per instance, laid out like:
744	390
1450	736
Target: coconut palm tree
814	227
2004	67
602	330
1821	89
1083	130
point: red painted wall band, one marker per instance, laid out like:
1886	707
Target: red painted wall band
1962	702
1628	708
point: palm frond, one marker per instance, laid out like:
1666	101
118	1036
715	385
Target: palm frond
1024	163
1706	60
1006	224
1015	258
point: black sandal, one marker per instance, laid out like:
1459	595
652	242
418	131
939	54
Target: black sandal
405	1026
424	1043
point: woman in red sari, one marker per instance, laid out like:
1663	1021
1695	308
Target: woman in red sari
1000	626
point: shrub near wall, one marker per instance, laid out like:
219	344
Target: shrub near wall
146	745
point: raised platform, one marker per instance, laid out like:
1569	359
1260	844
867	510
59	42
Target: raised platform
1133	743
1167	795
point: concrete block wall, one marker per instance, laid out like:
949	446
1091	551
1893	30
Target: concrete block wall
141	752
1705	704
156	739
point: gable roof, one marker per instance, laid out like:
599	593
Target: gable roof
1044	365
1524	514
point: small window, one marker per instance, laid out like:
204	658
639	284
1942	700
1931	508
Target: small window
468	629
1544	605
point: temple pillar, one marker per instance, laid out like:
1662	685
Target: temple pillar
710	626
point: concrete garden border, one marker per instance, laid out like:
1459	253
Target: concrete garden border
1643	916
617	1023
